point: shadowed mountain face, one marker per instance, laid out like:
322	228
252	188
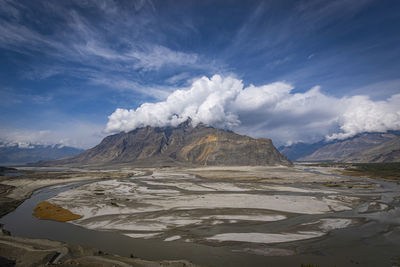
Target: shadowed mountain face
182	145
299	150
366	147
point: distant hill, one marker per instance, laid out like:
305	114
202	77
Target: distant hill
365	147
299	150
181	145
14	153
388	151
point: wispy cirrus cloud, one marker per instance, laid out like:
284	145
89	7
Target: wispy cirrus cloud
180	77
108	54
159	56
156	92
81	41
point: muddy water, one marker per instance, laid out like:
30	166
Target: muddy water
376	242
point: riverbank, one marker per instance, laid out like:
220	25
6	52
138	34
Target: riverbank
389	171
17	251
216	216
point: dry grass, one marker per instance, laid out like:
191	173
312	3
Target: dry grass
388	171
48	211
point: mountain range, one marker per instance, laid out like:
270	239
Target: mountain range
365	147
183	145
22	153
202	145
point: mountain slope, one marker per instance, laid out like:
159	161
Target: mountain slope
299	150
366	147
11	154
388	151
182	145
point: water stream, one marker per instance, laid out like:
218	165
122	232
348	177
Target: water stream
376	242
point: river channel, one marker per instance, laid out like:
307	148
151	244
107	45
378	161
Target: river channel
374	242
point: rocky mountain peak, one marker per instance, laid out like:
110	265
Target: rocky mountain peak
186	124
181	145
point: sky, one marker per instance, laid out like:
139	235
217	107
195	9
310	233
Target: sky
73	72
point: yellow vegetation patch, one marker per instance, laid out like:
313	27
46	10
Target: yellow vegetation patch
48	211
209	138
205	153
208	149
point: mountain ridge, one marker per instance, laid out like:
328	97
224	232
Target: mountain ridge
179	146
23	153
364	147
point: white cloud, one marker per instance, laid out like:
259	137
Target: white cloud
364	115
204	102
270	110
159	56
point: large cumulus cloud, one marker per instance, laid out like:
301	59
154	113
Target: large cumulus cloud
271	110
361	114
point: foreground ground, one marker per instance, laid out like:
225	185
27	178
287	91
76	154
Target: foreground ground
263	211
18	185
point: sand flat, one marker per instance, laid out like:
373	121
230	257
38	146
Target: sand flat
265	238
166	202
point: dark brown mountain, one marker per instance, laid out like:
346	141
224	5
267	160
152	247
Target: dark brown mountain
177	146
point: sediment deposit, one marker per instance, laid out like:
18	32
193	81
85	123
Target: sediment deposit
250	210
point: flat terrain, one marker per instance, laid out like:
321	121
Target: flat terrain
167	201
267	212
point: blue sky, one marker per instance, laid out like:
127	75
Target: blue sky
68	65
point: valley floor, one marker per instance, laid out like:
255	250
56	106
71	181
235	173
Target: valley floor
260	215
